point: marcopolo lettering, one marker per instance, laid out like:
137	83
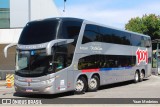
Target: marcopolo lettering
142	56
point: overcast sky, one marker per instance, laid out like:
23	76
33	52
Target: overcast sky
109	12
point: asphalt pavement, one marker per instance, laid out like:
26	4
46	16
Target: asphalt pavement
149	88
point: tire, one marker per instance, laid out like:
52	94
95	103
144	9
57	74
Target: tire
136	77
81	85
141	76
93	84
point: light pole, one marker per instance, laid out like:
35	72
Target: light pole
64	5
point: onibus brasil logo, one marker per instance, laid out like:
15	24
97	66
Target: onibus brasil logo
142	56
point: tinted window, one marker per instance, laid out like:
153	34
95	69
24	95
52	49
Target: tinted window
39	32
135	40
70	29
106	61
32	63
63	56
91	34
114	36
94	33
59	61
146	41
121	37
141	41
107	34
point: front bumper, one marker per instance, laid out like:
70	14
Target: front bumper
41	87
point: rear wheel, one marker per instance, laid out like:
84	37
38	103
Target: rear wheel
81	85
141	76
94	83
136	77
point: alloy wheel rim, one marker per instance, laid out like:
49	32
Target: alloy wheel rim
79	85
93	83
142	75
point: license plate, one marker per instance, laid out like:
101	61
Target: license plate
29	90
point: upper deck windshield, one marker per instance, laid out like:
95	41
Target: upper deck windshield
39	32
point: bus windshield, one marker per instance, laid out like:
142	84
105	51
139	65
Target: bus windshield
36	63
39	32
33	63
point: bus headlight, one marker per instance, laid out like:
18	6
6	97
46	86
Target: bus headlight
50	80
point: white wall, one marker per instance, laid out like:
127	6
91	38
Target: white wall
19	12
9	35
22	11
41	9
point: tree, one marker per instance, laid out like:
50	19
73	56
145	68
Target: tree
148	25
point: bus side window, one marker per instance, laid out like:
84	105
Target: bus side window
106	61
147	42
135	40
142	41
91	34
59	62
70	29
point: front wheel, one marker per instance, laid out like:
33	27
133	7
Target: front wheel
81	85
93	83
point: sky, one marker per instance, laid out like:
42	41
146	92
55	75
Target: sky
114	13
4	3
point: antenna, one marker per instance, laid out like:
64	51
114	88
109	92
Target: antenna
64	5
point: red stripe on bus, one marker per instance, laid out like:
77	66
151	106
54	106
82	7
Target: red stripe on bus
91	70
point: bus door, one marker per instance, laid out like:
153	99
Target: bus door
60	60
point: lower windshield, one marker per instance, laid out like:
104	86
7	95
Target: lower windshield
33	63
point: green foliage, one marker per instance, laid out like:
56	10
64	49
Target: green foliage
148	25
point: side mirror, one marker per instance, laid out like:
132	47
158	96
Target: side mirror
6	49
58	42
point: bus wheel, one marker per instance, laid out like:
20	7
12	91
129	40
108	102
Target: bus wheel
141	76
81	85
94	83
136	77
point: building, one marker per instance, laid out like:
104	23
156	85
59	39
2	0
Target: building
14	14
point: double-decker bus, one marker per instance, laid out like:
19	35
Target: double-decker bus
64	54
